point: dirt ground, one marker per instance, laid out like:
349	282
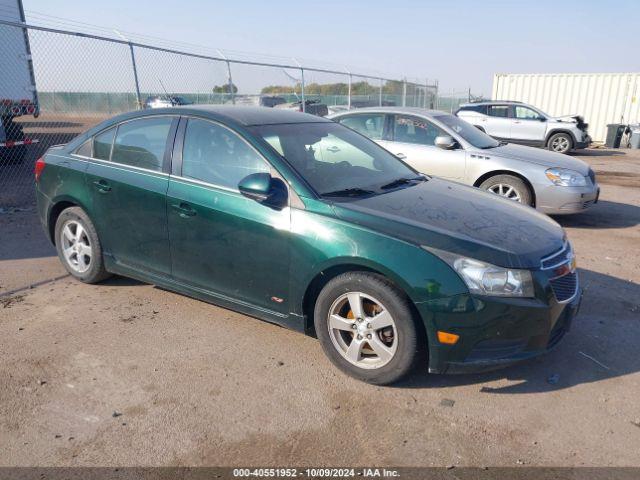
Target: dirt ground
124	373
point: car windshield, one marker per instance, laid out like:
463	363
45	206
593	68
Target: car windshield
468	132
335	160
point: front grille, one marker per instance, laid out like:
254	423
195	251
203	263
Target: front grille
561	256
565	287
496	348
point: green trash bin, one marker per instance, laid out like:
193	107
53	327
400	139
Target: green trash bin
614	135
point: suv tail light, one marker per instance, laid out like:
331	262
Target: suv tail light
39	168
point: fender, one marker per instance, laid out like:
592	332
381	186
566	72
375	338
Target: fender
560	130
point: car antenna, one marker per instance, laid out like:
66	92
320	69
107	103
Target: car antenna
296	80
166	94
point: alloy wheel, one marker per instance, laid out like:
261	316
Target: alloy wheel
362	330
76	246
507	191
560	144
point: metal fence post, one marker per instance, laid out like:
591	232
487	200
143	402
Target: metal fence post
349	98
404	92
230	82
304	106
135	76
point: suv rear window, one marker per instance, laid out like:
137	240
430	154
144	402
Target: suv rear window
474	108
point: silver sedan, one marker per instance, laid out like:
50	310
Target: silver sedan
443	145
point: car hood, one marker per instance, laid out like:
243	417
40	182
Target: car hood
538	156
573	118
460	219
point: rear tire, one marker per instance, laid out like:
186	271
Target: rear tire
79	247
509	186
560	143
367	328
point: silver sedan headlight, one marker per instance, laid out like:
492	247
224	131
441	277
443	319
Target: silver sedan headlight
565	177
485	279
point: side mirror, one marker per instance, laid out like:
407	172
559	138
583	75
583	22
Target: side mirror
265	189
542	119
445	142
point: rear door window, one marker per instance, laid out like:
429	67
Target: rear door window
102	144
501	111
369	125
141	143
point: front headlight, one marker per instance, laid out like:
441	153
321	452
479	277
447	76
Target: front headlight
565	177
485	279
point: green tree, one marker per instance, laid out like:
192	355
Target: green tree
225	88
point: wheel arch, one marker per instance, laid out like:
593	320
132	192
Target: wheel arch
57	207
326	274
560	130
493	173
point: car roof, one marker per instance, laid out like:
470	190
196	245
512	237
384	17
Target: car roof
248	115
492	102
401	110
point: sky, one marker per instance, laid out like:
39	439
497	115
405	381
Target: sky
460	43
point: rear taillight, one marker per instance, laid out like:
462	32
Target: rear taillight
39	168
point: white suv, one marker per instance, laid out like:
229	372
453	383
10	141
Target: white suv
517	122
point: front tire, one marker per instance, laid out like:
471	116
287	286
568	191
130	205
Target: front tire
560	143
366	327
79	247
510	187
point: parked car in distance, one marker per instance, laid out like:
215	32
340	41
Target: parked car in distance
271	101
440	144
517	122
250	208
313	107
164	101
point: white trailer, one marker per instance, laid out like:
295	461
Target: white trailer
601	98
18	94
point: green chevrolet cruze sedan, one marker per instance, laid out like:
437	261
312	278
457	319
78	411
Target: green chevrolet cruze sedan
305	223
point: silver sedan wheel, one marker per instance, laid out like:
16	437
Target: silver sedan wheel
560	144
507	191
362	330
76	246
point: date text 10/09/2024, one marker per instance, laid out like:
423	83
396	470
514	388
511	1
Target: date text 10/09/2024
315	472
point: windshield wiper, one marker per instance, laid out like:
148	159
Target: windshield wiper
348	192
401	181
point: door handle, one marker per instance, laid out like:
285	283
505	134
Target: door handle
102	186
401	156
333	149
184	210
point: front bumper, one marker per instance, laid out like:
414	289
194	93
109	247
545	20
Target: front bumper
499	333
557	200
586	141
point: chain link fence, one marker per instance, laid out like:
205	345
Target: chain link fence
55	84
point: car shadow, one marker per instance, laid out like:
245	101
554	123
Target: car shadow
598	152
602	344
604	214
